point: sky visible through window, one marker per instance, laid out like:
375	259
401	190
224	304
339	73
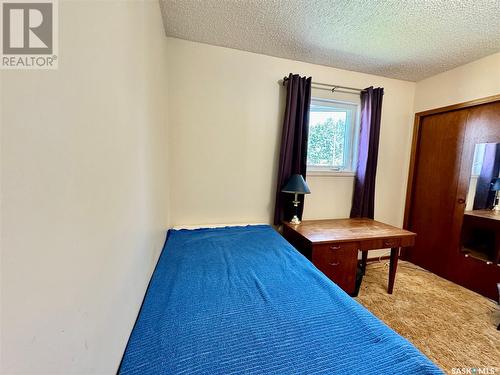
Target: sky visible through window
327	132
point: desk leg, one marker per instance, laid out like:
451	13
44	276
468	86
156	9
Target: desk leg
392	268
364	258
496	258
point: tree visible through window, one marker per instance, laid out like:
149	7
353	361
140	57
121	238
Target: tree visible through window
330	136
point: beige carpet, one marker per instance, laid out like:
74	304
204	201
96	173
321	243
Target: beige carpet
454	327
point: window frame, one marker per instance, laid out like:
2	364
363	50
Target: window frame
350	141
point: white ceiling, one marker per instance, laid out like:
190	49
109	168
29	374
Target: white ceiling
404	39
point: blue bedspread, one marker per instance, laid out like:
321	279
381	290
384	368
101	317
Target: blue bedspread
241	300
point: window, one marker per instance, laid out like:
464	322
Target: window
332	133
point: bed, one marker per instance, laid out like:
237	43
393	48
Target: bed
242	300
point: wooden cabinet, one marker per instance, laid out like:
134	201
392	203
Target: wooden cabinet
481	235
440	170
338	262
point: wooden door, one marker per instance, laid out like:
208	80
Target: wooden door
442	155
434	200
483	126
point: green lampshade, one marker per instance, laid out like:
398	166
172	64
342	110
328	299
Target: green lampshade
296	184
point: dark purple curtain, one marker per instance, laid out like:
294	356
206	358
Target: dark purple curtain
293	152
363	200
491	167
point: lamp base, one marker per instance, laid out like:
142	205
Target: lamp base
295	220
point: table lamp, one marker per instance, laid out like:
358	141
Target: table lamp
495	186
296	185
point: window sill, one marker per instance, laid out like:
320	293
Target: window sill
328	173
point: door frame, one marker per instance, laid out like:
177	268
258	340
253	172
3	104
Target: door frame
416	140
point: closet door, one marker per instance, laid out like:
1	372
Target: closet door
434	195
483	126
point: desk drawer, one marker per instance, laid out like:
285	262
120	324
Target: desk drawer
333	247
338	262
381	243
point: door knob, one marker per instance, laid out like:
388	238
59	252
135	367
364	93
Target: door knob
461	200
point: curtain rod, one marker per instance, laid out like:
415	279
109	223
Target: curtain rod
332	88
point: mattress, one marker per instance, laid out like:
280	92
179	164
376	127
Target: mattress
242	300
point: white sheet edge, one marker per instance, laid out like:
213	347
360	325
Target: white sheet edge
215	225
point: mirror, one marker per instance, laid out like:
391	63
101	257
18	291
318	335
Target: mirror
481	224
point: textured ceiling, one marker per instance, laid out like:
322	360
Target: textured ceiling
409	40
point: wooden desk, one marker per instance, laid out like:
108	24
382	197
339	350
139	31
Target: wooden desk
332	246
486	220
485	214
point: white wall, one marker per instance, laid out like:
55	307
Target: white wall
475	80
225	127
84	190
